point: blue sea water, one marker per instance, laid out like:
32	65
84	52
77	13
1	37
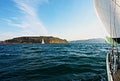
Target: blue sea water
53	62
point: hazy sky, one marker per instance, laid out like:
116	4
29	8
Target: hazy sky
68	19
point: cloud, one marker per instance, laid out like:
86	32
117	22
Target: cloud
29	21
26	8
8	35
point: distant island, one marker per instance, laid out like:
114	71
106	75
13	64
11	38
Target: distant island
34	39
97	40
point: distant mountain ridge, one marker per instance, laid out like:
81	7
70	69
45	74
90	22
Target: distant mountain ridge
97	40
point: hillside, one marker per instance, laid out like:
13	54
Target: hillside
29	40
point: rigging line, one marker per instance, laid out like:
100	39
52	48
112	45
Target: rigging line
115	20
110	23
114	23
113	30
112	26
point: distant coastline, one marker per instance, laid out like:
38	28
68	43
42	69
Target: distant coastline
34	39
97	40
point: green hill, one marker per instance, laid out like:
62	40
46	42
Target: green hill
31	39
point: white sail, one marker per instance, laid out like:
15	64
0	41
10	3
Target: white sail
43	41
109	13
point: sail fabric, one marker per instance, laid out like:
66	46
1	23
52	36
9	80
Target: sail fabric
109	13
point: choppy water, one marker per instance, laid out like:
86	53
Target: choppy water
53	62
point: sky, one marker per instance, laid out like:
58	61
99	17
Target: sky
67	19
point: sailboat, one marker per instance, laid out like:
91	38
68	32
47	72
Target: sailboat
42	42
109	13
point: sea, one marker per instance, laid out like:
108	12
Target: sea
53	62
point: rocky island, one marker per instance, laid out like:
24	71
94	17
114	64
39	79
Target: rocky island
30	40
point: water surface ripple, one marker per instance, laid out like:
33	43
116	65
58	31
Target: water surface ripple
53	62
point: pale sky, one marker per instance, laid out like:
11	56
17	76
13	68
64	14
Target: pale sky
67	19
